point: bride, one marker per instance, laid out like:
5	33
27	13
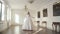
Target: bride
27	25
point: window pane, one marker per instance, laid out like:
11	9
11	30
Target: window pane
0	10
17	18
8	14
3	9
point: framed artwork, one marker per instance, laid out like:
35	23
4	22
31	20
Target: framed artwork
44	22
45	13
56	9
38	14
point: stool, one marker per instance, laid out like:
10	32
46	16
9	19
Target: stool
38	25
44	22
55	24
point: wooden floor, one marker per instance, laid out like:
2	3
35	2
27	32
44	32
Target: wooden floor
18	30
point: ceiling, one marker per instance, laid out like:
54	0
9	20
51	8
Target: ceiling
19	4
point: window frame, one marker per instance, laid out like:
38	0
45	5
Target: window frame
1	12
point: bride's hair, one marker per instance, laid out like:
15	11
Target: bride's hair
28	13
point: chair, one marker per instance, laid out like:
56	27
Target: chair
56	24
38	25
45	23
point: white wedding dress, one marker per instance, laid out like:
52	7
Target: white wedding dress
27	25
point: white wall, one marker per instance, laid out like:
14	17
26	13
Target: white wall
4	22
50	19
22	13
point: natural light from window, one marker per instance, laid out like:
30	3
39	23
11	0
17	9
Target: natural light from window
8	14
3	9
17	18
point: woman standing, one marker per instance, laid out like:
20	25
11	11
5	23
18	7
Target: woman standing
27	25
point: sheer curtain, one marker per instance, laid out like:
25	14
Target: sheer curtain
3	9
8	14
0	10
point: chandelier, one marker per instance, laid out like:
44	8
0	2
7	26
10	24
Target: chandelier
31	1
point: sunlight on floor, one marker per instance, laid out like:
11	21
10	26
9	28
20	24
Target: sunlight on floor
38	30
16	30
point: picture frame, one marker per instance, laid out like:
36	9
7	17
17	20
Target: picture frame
56	9
45	12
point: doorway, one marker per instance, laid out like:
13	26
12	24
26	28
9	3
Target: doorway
16	19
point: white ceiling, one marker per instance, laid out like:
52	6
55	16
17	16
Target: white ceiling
19	4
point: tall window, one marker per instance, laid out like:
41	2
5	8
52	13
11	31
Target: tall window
8	14
3	9
0	10
17	18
